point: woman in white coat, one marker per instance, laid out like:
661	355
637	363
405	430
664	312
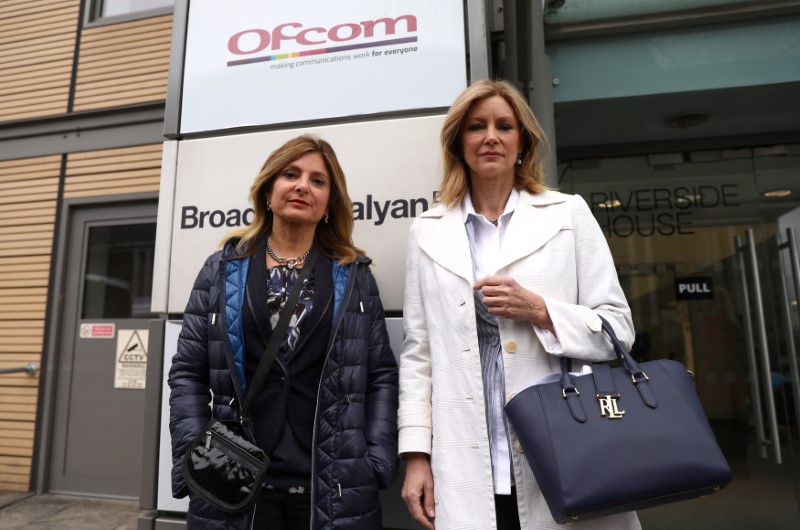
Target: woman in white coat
502	279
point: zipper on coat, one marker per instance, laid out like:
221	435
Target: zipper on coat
351	280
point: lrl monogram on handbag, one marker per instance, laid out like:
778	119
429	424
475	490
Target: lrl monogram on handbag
608	407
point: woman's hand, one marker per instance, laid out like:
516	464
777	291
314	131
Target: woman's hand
504	297
418	488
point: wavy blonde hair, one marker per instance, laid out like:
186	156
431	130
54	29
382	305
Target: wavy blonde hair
334	238
528	176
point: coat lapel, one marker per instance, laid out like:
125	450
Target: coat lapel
530	228
444	238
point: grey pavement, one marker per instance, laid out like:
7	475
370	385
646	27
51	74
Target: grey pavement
63	512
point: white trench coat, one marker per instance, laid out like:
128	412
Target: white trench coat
552	246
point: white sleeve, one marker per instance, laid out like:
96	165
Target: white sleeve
414	415
577	325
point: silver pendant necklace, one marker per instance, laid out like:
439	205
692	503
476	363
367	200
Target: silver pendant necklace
289	262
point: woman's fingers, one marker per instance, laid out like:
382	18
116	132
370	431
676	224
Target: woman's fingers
418	490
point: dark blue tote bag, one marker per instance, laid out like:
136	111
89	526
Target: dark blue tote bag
618	439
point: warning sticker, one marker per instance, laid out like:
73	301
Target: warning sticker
131	365
97	331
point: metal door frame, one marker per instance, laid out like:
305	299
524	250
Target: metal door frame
45	417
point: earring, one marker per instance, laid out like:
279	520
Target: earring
326	218
519	159
269	207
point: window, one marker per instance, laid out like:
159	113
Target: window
119	271
109	11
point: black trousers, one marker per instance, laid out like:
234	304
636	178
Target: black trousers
278	510
505	507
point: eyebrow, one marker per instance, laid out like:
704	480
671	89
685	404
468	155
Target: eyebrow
483	116
297	168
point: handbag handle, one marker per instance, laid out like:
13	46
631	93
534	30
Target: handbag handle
278	333
638	376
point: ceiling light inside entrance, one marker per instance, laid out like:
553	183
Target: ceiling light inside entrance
777	194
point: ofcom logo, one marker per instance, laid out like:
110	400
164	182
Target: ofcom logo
251	43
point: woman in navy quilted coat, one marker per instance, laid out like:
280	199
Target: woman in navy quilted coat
327	415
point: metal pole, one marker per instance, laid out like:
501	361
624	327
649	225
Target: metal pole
478	40
510	39
795	266
765	364
751	351
540	86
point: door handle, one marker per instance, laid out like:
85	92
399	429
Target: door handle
30	369
752	365
794	264
766	369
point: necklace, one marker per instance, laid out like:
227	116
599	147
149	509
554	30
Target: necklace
493	221
289	262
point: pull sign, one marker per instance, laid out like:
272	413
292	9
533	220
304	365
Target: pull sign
694	288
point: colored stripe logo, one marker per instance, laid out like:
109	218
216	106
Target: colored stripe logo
322	51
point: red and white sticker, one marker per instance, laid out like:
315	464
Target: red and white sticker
97	331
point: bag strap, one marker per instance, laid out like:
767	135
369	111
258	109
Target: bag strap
278	333
638	376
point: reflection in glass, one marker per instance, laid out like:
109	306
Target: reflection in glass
110	8
119	271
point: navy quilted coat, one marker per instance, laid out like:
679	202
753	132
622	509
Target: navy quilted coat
355	430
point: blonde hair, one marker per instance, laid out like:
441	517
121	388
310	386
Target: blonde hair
334	238
528	176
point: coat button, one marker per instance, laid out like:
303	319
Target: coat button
594	324
511	346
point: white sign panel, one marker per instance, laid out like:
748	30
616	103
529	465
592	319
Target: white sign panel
256	62
166	502
392	169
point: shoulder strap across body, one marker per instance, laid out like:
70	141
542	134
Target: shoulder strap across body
271	351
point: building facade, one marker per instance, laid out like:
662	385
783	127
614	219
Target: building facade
678	122
81	124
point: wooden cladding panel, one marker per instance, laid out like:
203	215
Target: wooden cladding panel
124	64
28	189
37	46
113	171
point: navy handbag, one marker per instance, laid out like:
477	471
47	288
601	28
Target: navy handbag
618	439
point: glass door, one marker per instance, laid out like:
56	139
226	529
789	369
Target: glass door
702	254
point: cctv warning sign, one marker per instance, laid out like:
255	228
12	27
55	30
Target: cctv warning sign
131	364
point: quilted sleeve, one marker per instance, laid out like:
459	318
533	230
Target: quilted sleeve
381	397
190	397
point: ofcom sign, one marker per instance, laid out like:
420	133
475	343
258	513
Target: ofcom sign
252	62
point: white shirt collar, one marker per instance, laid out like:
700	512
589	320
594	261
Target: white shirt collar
467	208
